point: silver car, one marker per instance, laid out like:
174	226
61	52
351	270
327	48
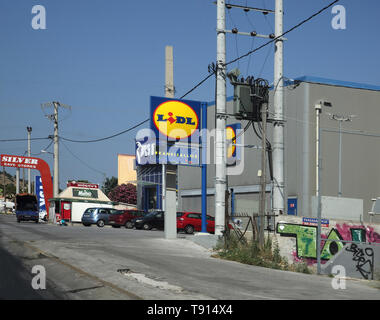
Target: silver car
98	216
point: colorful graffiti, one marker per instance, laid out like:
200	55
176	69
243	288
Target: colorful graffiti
306	238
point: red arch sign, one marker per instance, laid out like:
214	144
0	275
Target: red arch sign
32	163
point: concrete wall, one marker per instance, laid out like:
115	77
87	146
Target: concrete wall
339	208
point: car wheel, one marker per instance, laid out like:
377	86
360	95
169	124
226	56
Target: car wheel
100	223
146	226
129	225
189	229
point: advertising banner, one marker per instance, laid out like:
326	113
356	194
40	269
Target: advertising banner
40	196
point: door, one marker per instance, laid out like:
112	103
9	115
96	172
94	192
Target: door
66	210
159	221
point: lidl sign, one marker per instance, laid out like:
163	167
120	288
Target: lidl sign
175	120
233	138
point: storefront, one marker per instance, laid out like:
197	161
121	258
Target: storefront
76	198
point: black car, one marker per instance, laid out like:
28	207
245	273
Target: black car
153	219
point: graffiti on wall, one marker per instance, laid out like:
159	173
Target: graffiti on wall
306	240
364	259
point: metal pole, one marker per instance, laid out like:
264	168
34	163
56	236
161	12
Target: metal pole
204	168
29	129
4	185
220	139
340	160
278	125
56	152
340	119
17	180
318	110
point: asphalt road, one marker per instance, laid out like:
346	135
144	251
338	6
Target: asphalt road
122	264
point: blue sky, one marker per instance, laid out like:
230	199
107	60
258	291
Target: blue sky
105	58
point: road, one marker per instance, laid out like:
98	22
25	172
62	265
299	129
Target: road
122	264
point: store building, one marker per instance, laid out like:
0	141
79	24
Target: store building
358	164
359	145
76	198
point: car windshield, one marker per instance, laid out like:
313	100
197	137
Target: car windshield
180	214
114	211
151	214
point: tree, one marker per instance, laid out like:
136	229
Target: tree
109	185
126	193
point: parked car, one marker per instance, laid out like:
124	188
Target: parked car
98	216
154	219
192	221
125	218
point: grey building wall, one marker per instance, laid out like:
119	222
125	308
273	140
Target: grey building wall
360	160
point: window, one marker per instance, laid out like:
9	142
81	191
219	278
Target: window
103	211
194	216
114	211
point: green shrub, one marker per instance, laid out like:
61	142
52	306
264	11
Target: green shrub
250	253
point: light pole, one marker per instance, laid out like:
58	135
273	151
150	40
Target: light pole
340	119
318	110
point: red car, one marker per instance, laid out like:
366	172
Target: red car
125	218
192	221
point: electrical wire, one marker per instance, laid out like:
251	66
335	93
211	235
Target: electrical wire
283	34
83	162
17	140
109	137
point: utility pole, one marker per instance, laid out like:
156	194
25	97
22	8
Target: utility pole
264	109
169	172
54	117
29	129
278	124
340	119
169	93
56	152
220	140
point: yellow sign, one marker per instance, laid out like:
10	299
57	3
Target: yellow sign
231	140
175	119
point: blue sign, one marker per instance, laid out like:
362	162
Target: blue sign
314	221
292	206
40	195
150	152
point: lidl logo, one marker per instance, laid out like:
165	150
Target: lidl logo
231	141
175	119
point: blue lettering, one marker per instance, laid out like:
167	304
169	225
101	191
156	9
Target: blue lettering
160	117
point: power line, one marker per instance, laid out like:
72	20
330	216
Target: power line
280	36
17	140
83	162
109	137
